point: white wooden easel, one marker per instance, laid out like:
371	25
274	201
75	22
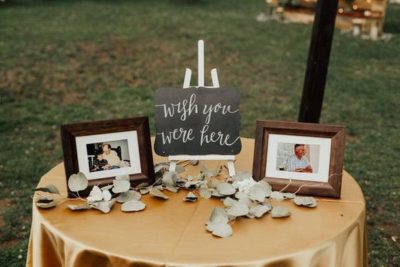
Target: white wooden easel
186	84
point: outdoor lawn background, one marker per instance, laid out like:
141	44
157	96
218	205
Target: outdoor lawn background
72	61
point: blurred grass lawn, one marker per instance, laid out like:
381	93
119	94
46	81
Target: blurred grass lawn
72	61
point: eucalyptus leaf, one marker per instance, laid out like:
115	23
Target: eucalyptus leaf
213	182
95	194
190	197
169	178
244	185
129	195
159	187
215	193
50	188
77	182
124	177
179	169
133	205
121	185
205	193
280	212
257	193
141	186
226	189
107	187
218	215
194	162
288	195
242	175
45	202
155	192
211	173
277	195
144	190
259	210
221	230
84	206
103	206
171	188
238	209
309	202
241	194
192	184
161	167
229	202
106	195
245	200
267	187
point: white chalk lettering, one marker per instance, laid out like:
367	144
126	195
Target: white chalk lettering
215	137
184	135
224	109
183	108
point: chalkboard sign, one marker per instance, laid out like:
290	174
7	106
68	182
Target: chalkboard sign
198	121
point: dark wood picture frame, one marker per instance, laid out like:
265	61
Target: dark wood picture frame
69	133
336	133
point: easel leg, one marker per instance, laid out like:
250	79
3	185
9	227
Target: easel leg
172	166
231	168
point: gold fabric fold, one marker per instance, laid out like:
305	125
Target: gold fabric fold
172	232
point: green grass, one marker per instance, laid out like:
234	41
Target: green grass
84	60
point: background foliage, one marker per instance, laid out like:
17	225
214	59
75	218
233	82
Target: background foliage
70	61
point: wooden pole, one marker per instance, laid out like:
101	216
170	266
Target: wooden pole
318	61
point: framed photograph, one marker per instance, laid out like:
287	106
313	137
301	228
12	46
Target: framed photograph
305	158
105	149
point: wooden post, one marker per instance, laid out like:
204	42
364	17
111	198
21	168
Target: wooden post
318	61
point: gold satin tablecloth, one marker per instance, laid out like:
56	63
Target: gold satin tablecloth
172	232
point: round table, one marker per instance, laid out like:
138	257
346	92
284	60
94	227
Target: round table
172	232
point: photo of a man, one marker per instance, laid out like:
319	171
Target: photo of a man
108	155
113	161
298	162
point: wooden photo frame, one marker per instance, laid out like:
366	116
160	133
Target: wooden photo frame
302	158
103	150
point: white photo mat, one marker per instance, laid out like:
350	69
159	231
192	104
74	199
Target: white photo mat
324	157
133	148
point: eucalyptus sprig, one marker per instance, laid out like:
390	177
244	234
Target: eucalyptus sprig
241	195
